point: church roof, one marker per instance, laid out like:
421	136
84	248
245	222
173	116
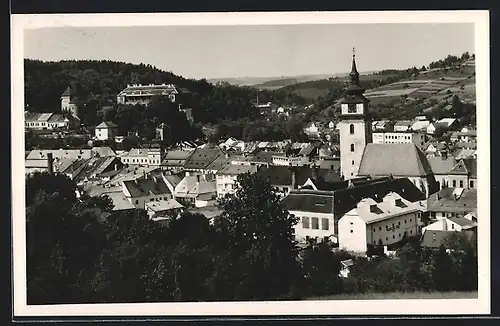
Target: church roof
404	160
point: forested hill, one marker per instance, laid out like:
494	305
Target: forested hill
96	84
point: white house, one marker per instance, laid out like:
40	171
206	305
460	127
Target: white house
196	191
141	191
226	178
143	156
451	224
316	218
311	128
106	130
382	223
399	138
402	125
162	209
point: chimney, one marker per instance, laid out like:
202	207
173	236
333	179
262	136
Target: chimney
50	163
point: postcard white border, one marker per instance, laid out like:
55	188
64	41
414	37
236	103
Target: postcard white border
480	19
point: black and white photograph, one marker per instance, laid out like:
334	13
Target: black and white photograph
251	163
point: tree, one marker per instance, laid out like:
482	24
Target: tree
257	234
442	270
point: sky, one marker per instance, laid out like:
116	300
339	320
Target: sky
255	51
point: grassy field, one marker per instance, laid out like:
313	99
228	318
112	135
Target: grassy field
399	295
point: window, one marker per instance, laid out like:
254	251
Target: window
380	228
305	222
399	223
454	183
351	129
351	231
386	239
471	183
352	162
453	226
410	220
461	183
400	235
411	231
405	221
315	223
374	229
393	236
351	223
136	202
352	147
351	108
325	224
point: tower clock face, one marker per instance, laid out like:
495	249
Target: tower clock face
351	108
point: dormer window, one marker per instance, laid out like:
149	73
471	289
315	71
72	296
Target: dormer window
351	108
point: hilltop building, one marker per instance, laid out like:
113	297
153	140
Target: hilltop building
355	125
143	94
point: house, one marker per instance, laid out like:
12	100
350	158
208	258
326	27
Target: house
452	202
402	125
143	156
400	161
394	137
175	159
319	211
226	177
420	124
131	173
469	136
469	145
195	190
441	167
69	102
463	174
106	130
94	168
379	224
119	200
141	191
312	128
434	239
50	121
451	224
102	151
331	125
381	125
37	160
436	149
345	266
431	128
449	123
217	164
284	178
163	209
260	158
201	158
461	153
143	94
233	144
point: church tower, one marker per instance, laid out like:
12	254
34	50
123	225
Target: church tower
355	125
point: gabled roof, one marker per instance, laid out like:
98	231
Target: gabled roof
201	158
193	186
441	165
394	159
106	125
463	222
218	163
434	239
176	158
403	123
343	200
103	151
236	169
146	187
120	202
283	175
163	205
453	200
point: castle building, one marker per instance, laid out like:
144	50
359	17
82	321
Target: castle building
354	126
68	102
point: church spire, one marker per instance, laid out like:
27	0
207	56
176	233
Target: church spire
354	71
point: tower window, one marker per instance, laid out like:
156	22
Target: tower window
352	162
352	147
351	129
351	108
